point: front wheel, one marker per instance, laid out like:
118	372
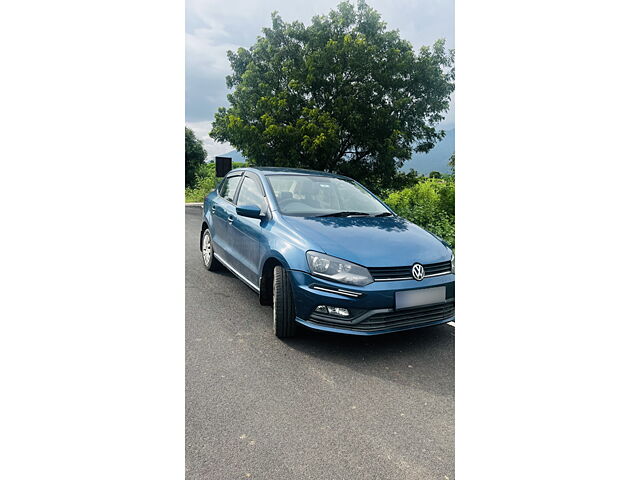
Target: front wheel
284	314
210	262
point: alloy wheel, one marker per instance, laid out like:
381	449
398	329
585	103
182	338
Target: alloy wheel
206	249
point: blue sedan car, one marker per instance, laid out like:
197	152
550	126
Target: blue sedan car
326	253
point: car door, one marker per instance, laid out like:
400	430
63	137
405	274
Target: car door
247	234
223	213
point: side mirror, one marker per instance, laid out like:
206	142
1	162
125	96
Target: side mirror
251	211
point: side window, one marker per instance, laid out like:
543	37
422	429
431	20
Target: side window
222	186
250	193
228	187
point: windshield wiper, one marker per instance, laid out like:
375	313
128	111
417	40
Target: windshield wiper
345	214
384	214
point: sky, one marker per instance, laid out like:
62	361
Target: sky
214	26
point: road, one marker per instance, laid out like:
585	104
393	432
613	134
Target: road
318	406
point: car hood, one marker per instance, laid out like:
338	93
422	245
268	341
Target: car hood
371	241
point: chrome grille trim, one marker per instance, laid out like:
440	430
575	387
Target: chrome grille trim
390	274
338	291
409	278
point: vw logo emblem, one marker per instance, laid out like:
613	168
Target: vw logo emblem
417	271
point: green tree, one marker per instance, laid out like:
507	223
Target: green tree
194	157
435	174
452	162
343	94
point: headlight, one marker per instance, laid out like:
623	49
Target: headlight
453	263
338	270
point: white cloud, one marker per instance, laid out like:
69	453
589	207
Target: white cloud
214	27
203	57
213	148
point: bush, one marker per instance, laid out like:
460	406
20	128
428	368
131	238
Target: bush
429	204
206	181
202	188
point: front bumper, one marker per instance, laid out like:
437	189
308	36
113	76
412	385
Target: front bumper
372	307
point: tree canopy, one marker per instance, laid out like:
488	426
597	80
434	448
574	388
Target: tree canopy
194	156
344	95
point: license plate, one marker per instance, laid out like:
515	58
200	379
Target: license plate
417	298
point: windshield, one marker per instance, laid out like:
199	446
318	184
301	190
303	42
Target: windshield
316	195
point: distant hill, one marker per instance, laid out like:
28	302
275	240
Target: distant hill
234	154
436	160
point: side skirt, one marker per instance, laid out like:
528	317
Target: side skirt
237	274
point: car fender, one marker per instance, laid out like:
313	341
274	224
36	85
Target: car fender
290	256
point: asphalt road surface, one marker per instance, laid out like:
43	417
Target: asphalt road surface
318	406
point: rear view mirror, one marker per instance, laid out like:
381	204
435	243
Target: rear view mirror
251	211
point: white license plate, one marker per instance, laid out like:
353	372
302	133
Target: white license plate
424	296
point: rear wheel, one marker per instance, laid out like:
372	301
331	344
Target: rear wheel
210	262
284	314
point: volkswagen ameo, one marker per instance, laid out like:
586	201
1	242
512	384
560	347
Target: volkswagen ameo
326	253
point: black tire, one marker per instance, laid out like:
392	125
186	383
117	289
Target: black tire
284	313
210	262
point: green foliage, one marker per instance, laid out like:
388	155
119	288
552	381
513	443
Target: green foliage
209	169
202	188
398	182
194	157
205	181
430	204
435	174
343	94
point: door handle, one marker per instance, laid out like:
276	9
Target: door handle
230	219
213	208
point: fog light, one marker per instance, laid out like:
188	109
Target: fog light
338	311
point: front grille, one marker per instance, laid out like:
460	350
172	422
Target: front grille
410	317
380	274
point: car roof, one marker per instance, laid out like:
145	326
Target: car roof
288	171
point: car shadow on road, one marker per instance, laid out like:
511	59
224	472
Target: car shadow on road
421	358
